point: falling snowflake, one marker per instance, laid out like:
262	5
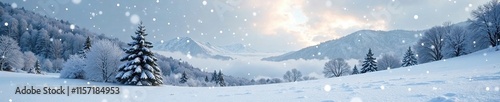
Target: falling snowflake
187	42
254	14
319	53
415	17
135	19
13	5
127	13
188	33
157	1
204	2
88	83
118	5
409	89
189	55
161	41
6	24
427	72
487	88
72	26
327	88
382	87
65	81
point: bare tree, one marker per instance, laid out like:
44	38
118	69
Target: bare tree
293	75
388	62
486	19
430	46
456	42
336	68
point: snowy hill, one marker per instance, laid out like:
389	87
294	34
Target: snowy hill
194	48
470	78
355	45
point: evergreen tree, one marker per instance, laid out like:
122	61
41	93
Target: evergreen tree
184	78
86	48
369	65
215	78
409	58
355	70
222	83
141	68
206	79
37	68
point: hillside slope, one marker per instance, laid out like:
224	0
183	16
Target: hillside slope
470	78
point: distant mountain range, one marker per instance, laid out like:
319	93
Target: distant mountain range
356	45
194	48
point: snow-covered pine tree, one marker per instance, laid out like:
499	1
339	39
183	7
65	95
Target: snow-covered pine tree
141	68
409	58
215	78
222	83
206	79
37	67
86	48
184	78
369	65
355	70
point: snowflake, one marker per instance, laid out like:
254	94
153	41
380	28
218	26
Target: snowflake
382	87
100	12
14	5
157	1
211	10
327	88
127	13
135	19
6	24
88	83
409	89
254	14
189	55
72	26
204	2
187	42
117	4
427	72
487	88
161	41
415	17
188	32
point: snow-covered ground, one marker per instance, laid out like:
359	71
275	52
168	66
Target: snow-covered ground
470	78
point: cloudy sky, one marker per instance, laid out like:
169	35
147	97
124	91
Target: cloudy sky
265	25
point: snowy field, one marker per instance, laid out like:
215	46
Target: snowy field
470	78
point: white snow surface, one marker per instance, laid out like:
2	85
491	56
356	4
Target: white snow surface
470	78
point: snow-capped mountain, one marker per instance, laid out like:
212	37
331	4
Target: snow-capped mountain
187	45
355	45
194	48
